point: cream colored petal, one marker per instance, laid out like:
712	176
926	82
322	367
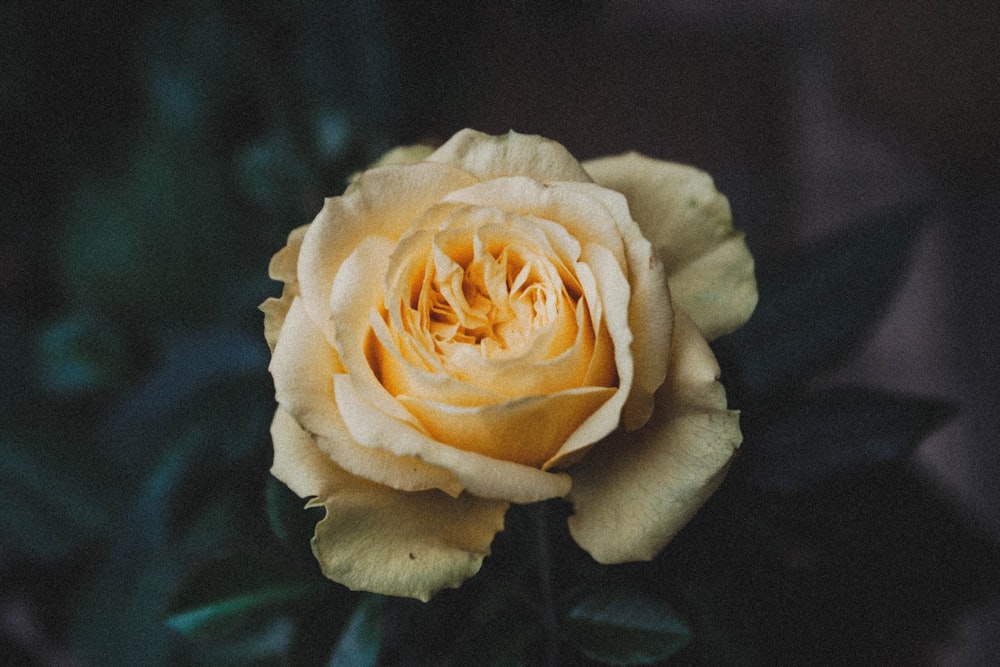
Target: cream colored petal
297	461
482	476
284	264
398	155
274	311
303	366
378	539
382	201
632	493
375	419
357	291
708	265
650	309
282	267
400	376
614	292
512	154
406	544
527	431
595	214
571	205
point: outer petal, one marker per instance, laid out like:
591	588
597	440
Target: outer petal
283	267
284	264
486	156
381	201
632	493
303	366
377	539
709	268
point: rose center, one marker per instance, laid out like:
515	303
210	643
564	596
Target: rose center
495	301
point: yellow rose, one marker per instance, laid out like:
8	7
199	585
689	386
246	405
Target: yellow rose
493	322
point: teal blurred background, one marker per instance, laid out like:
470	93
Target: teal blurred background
155	155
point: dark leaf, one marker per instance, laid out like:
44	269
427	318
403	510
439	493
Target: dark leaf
81	353
264	646
803	437
212	381
50	507
624	627
505	624
155	239
360	640
231	594
119	618
814	308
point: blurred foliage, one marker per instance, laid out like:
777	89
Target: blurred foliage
158	158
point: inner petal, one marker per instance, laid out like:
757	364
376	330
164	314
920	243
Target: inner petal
500	304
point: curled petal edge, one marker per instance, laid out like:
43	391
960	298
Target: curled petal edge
378	539
635	491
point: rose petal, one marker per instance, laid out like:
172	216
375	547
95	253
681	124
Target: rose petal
635	491
614	294
486	156
528	431
709	268
303	365
275	311
357	291
378	539
595	214
376	419
383	201
282	267
481	475
571	205
650	310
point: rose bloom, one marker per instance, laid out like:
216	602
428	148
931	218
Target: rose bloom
493	322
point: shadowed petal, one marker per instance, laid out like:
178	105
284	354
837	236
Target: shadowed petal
378	539
303	366
633	492
283	267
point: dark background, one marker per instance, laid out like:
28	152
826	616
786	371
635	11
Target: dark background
154	156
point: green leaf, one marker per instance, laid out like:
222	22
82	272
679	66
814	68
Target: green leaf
360	640
817	305
50	507
624	627
265	646
82	353
798	440
505	625
119	618
157	238
231	594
